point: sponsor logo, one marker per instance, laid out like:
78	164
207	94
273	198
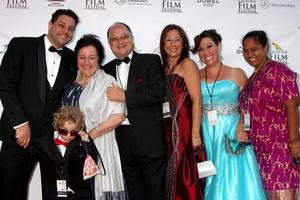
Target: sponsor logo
208	3
133	2
239	50
173	6
247	7
20	4
56	3
3	49
95	4
265	4
120	2
278	53
156	51
284	5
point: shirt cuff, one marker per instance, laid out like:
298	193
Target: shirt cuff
18	126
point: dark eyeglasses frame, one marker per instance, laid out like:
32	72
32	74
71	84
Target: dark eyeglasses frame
65	132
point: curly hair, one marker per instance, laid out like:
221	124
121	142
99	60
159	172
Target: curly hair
211	33
68	113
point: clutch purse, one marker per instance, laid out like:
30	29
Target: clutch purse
206	168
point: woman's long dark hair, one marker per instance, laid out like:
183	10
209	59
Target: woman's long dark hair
185	44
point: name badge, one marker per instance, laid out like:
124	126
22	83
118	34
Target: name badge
247	122
166	109
212	117
61	186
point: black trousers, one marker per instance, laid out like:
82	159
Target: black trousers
144	175
16	167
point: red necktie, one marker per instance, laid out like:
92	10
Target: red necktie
60	142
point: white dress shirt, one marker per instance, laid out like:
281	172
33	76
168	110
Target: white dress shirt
53	61
122	72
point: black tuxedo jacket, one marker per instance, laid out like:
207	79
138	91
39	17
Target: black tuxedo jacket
70	167
144	96
24	89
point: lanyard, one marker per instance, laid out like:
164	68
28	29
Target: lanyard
250	83
212	90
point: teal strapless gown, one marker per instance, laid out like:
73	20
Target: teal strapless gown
237	171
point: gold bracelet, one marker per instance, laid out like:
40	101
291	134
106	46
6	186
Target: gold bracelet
97	129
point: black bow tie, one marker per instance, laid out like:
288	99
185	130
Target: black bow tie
125	60
53	49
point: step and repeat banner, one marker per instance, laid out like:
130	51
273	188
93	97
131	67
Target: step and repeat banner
231	18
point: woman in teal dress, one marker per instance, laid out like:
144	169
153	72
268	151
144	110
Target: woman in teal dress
237	175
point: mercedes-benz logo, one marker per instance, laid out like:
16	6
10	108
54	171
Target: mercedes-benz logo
265	4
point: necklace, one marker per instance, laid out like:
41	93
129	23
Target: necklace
212	90
83	81
262	65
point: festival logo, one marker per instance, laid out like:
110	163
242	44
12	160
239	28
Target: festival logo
173	6
247	7
265	4
95	5
278	53
19	4
208	3
56	3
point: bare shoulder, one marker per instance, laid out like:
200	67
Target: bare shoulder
189	68
236	71
239	72
238	75
188	64
235	74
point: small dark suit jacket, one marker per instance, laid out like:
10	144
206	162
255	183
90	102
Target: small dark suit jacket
70	167
24	89
144	96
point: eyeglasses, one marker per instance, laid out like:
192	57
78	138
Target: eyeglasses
121	38
65	132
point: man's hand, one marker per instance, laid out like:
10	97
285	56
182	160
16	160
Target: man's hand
23	134
115	93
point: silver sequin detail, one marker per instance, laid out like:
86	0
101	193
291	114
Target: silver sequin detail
222	109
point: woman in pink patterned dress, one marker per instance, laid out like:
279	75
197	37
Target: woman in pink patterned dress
268	102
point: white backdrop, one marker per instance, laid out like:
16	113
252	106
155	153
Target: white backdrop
231	18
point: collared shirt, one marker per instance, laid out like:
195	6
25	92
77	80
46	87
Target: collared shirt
61	148
53	61
122	72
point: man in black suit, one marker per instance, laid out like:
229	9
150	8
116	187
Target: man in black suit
33	75
140	137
